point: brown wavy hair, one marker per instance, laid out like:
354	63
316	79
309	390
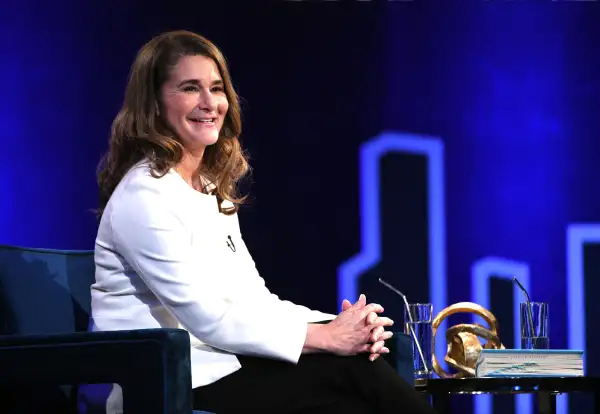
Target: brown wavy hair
138	132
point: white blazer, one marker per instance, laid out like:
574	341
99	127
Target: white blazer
165	257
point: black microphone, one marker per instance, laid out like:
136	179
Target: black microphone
417	343
232	245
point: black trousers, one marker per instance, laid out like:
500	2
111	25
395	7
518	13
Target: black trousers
318	384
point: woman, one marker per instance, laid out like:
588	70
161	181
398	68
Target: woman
169	253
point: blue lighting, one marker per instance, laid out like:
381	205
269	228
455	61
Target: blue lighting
577	236
349	272
47	170
371	153
481	272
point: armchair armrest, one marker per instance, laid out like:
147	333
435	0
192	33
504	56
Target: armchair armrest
151	365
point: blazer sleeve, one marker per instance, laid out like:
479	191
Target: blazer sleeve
152	238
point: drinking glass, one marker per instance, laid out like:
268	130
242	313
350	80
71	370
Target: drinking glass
417	324
534	325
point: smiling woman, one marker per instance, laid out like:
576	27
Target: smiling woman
169	253
180	106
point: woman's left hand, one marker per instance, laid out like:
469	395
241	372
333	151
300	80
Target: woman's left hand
378	333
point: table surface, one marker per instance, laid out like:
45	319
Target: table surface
510	385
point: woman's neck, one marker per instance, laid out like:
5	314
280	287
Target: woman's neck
189	169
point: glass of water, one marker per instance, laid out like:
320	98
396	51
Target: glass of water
534	325
417	324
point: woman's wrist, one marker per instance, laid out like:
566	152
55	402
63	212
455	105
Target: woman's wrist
318	339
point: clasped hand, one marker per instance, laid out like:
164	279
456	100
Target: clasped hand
359	328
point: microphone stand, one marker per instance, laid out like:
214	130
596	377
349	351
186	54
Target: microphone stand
396	291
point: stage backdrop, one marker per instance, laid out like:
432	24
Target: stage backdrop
445	149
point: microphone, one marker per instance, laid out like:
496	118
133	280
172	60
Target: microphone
528	304
232	245
403	296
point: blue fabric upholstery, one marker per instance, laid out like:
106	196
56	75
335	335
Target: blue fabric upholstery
151	365
400	356
44	314
45	291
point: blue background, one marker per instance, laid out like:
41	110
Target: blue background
511	89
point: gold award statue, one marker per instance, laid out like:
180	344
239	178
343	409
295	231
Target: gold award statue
463	342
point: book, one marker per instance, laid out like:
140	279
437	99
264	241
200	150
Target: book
529	363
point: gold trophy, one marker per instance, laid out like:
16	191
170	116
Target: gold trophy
463	340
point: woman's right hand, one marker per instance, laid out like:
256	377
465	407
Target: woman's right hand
350	331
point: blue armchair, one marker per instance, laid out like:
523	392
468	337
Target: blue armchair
44	343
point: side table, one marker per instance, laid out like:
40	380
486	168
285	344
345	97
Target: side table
545	388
